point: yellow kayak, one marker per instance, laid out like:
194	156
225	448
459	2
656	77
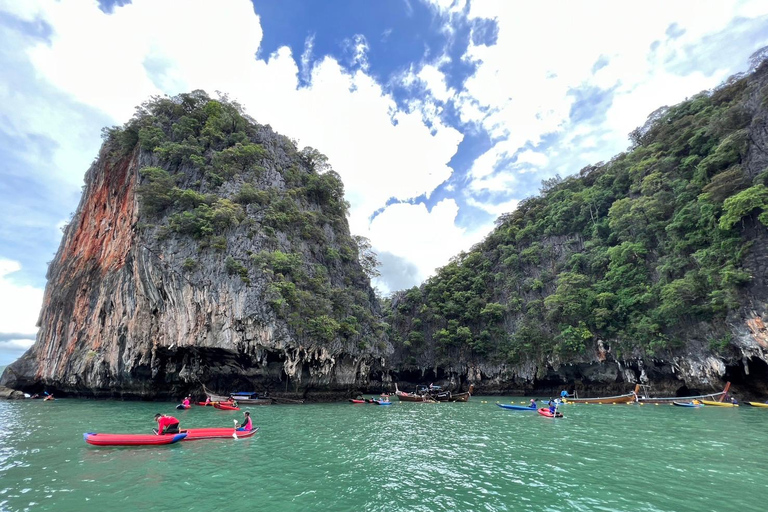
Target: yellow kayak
718	404
757	404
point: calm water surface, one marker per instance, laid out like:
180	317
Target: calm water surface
405	457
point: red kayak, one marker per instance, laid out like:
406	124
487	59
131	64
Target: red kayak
545	412
224	407
132	439
194	434
354	401
213	403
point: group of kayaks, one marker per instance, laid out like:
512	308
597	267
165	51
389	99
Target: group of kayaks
190	434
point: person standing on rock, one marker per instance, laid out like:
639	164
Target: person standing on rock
166	424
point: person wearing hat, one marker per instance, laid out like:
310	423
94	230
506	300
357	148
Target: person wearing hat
247	424
166	424
185	403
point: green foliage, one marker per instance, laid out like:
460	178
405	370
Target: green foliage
630	252
744	203
234	267
189	265
156	192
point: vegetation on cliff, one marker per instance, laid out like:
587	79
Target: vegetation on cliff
256	206
629	252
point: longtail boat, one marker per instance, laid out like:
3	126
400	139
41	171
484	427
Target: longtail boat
618	399
413	397
668	400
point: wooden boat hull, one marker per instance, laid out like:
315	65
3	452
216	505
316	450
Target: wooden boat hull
669	400
620	399
407	397
757	404
719	404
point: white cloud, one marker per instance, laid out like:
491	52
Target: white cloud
495	208
533	158
428	238
379	150
520	91
19	304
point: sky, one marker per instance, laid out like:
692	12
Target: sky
439	115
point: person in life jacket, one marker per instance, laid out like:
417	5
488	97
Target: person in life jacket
166	424
185	403
247	424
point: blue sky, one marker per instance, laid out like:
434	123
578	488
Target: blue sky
439	115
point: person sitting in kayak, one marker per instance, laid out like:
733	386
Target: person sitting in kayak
207	400
552	407
533	403
49	397
185	403
166	424
247	425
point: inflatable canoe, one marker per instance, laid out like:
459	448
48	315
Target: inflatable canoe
182	406
517	407
545	412
195	434
718	404
224	407
356	401
133	439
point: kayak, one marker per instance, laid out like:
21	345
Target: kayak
182	406
224	407
517	407
211	404
687	404
355	401
195	434
545	412
132	439
718	404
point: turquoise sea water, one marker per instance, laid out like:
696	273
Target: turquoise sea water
405	457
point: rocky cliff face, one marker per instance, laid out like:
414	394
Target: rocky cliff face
651	269
187	274
208	250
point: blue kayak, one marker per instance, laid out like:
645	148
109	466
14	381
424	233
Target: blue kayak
517	407
687	404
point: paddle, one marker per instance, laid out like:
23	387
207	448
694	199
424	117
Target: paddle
234	434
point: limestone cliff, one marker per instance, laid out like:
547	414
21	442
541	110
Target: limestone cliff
206	250
651	268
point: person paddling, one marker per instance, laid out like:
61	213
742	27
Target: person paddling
166	424
247	424
533	403
185	403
